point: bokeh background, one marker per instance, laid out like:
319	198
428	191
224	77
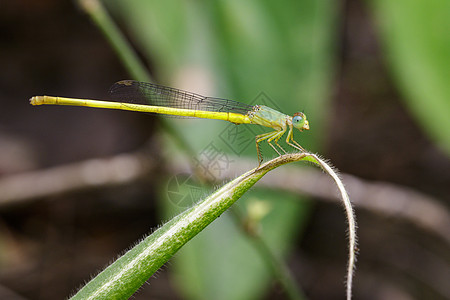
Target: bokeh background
79	186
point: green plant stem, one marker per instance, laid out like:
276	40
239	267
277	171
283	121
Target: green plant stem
351	219
129	58
102	19
276	265
123	277
279	268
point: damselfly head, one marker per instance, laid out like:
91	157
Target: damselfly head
300	122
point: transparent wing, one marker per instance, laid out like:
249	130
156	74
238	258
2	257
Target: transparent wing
137	92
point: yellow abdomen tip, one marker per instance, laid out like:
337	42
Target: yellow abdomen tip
36	100
39	100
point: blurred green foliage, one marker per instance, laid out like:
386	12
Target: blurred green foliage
286	50
416	41
256	52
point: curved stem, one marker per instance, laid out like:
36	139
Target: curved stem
122	278
351	219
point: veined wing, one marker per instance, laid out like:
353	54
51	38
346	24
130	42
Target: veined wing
137	92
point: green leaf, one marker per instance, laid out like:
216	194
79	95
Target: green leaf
126	275
416	40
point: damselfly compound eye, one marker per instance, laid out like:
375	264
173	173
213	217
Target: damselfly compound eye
297	119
